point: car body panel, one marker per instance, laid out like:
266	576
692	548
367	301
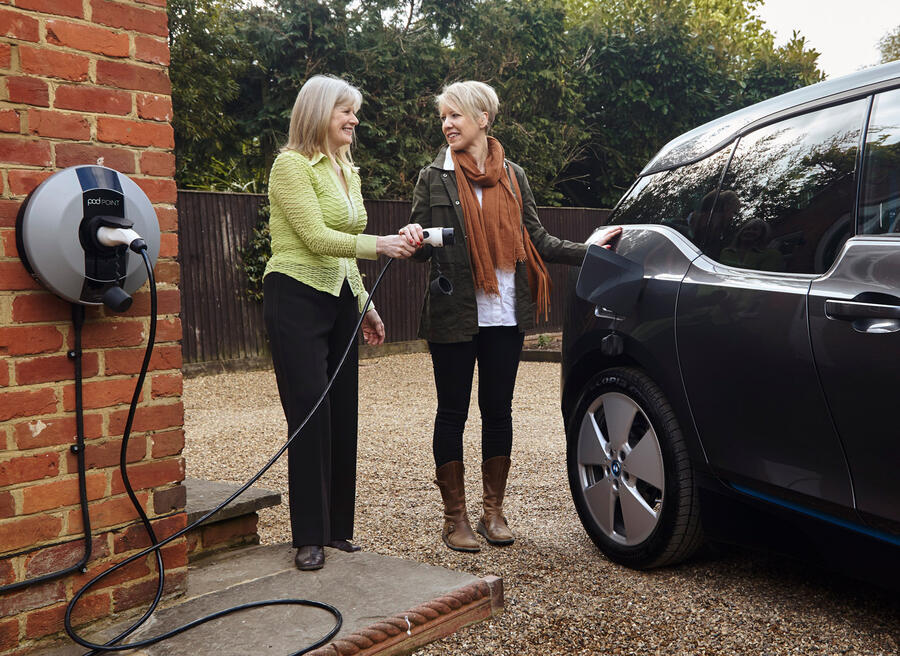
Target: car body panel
648	332
858	360
748	366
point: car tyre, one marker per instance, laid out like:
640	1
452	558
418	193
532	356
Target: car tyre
630	473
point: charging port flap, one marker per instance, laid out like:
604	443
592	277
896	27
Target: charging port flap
609	280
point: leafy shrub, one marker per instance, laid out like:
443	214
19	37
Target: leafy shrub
256	255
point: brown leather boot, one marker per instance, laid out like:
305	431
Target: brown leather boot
457	532
492	525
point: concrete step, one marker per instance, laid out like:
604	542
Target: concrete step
389	606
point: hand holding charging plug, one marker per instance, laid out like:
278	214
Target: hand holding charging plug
437	238
418	236
413	233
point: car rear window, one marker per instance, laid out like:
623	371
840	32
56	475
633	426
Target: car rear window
879	211
786	202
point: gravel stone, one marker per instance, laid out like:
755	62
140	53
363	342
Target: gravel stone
562	596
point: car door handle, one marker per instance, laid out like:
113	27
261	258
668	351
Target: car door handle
852	310
865	317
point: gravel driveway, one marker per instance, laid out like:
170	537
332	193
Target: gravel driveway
562	596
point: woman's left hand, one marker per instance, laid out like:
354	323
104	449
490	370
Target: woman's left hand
603	237
373	328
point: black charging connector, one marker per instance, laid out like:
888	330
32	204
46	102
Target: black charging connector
75	355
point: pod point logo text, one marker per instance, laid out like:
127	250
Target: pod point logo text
103	201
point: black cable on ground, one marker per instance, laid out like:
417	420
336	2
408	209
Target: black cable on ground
156	545
78	450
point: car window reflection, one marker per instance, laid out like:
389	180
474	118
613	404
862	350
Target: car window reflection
682	198
796	177
879	211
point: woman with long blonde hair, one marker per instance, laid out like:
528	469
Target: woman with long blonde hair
313	294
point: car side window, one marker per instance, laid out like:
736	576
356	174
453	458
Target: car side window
879	209
681	198
786	201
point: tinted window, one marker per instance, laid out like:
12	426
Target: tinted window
681	198
879	210
786	202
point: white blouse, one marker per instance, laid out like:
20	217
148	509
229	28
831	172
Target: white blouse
493	310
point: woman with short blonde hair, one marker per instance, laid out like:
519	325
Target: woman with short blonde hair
499	284
472	98
313	294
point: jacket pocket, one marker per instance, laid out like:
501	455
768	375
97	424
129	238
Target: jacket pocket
437	196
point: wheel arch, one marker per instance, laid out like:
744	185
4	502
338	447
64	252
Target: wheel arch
591	361
589	365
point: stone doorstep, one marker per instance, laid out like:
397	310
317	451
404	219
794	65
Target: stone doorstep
405	632
203	496
367	588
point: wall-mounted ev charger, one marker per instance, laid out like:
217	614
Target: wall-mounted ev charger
74	232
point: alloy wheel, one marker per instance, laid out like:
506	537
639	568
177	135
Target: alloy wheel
620	468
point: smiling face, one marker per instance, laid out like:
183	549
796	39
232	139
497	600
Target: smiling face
460	130
340	129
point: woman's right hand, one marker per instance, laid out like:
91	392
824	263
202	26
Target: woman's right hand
396	246
604	237
413	233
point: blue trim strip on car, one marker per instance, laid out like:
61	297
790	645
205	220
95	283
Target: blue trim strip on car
865	530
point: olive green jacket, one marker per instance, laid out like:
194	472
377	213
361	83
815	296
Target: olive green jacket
454	318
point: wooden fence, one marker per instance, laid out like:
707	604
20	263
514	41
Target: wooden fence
222	327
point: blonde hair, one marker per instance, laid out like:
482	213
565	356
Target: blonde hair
311	116
471	98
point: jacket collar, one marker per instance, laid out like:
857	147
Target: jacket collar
438	162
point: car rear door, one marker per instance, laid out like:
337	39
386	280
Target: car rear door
783	211
854	323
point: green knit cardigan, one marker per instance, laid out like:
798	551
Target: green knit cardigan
315	226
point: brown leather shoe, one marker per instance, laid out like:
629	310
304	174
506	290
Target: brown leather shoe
492	525
457	532
344	545
310	557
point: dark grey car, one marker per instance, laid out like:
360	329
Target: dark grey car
751	342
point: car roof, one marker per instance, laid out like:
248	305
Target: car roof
710	137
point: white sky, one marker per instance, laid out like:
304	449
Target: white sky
845	32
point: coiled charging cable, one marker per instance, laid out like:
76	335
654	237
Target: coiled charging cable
157	545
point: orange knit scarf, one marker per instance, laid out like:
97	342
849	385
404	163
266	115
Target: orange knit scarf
496	237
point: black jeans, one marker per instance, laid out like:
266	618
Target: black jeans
497	350
308	331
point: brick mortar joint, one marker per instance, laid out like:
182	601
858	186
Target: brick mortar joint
91	54
42	15
111	531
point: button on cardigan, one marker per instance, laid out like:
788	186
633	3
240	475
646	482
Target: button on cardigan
315	226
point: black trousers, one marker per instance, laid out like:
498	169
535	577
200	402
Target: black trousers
308	331
497	351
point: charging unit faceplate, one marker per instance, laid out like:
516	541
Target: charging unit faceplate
56	233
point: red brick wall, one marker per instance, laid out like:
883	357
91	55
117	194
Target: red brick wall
84	82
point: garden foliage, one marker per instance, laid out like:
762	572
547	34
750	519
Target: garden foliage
589	90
